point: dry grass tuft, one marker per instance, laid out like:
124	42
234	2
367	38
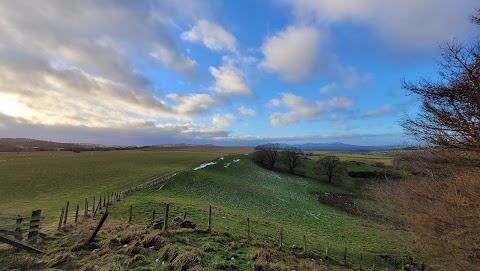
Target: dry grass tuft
134	248
66	261
261	254
126	239
186	260
168	253
27	262
152	240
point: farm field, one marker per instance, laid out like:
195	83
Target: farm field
381	157
271	200
47	180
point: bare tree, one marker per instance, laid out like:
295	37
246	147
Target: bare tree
267	154
331	166
441	199
291	158
450	112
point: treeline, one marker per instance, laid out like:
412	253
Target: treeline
26	144
291	159
272	154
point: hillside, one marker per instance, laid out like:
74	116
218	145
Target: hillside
27	144
251	208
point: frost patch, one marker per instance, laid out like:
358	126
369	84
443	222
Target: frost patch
204	165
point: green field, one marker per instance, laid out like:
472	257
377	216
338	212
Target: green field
271	200
381	157
237	189
47	180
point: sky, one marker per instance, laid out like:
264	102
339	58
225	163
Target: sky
219	72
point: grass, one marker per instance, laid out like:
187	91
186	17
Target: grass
271	200
381	157
47	180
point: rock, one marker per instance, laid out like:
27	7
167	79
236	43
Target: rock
187	224
158	224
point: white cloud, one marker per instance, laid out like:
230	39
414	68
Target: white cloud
386	109
247	111
341	102
229	80
275	102
192	104
296	54
298	108
71	68
292	53
328	88
223	121
174	60
404	24
212	35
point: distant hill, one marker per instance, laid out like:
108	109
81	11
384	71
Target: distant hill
338	146
27	144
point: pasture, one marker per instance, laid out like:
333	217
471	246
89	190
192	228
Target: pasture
47	180
271	200
368	158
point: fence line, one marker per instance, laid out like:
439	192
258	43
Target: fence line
286	238
211	219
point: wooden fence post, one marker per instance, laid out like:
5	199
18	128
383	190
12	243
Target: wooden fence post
66	215
34	221
76	213
99	205
18	230
93	206
281	238
345	257
85	207
165	219
326	250
104	201
153	216
130	216
61	218
100	224
210	218
108	198
374	262
248	228
184	214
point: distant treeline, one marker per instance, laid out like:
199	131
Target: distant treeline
25	144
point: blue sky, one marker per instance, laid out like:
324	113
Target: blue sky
219	72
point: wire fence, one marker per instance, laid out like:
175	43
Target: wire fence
302	242
274	234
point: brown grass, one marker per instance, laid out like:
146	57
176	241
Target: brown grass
152	240
168	253
441	204
186	260
134	248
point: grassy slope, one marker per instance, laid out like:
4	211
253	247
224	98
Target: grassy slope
46	180
271	200
383	157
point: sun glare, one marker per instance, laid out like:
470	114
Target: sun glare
10	106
